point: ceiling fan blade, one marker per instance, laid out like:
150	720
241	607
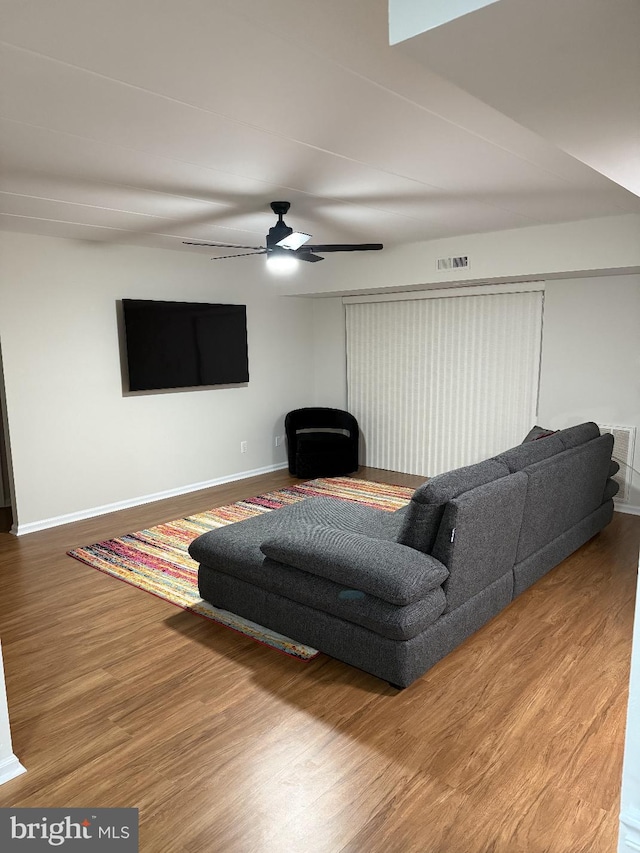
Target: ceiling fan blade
220	245
241	255
306	255
294	240
345	247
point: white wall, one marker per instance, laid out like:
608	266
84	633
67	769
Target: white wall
329	353
591	356
77	442
629	836
567	250
10	767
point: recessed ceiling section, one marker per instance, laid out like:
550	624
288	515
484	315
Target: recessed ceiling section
408	18
570	71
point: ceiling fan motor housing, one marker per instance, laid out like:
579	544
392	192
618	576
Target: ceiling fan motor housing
279	230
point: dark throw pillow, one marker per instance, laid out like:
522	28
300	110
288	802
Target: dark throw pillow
538	432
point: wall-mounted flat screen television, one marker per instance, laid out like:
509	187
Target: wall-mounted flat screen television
184	344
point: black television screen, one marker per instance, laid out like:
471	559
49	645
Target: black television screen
184	344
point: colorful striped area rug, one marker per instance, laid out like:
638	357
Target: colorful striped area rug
156	560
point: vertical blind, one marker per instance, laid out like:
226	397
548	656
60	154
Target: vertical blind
437	383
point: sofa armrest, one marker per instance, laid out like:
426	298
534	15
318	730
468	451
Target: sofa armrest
611	489
387	570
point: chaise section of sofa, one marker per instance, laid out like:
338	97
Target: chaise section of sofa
392	593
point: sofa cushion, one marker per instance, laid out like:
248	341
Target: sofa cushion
387	570
580	434
611	489
561	491
614	467
235	548
423	515
522	455
478	537
355	606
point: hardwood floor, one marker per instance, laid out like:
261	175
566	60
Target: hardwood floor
511	744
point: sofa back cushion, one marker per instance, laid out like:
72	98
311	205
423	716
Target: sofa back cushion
561	491
522	455
424	513
577	435
478	537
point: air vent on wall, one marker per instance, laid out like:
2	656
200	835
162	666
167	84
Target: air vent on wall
624	438
461	262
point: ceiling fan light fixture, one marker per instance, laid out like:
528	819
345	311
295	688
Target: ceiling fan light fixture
282	263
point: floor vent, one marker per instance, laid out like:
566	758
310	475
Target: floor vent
624	439
461	262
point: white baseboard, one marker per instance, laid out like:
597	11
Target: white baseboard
32	526
10	768
44	524
629	836
629	510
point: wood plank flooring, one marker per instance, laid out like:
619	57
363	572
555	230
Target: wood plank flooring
511	744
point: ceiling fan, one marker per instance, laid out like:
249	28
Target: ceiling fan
283	244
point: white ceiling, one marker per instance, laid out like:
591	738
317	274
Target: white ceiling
151	121
567	69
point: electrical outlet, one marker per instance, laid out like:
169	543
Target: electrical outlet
243	447
279	440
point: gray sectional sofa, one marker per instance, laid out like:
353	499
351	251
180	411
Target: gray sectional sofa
393	593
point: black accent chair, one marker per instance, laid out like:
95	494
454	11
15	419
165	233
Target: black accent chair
321	442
